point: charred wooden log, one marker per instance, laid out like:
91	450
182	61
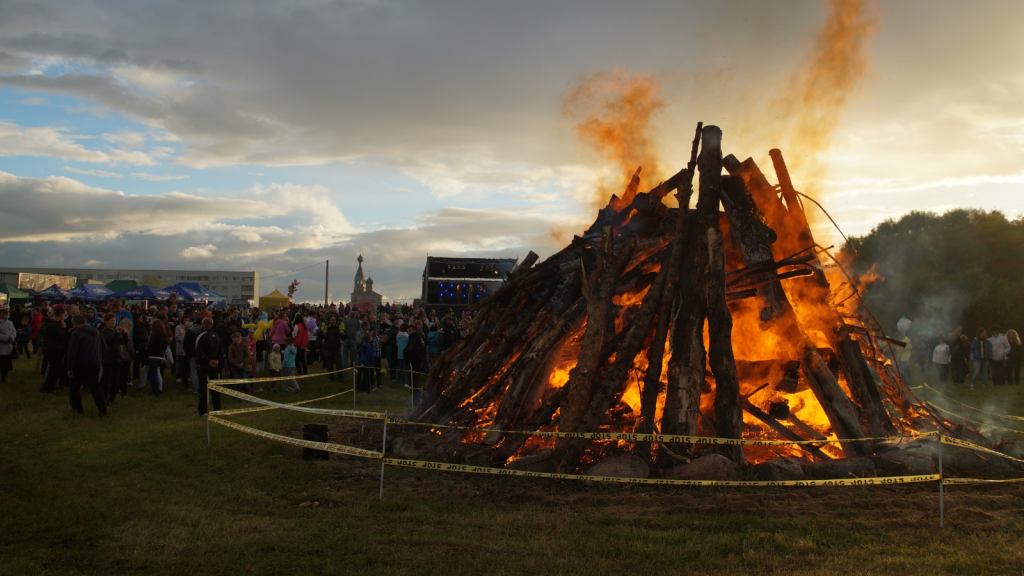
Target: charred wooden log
686	376
728	413
656	352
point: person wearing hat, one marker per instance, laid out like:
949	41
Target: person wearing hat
7	337
274	365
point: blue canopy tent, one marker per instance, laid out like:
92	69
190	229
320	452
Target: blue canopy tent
141	293
53	294
91	292
196	287
186	295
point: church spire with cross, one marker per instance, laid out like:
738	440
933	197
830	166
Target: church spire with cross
360	285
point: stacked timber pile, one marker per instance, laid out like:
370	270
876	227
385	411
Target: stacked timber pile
714	321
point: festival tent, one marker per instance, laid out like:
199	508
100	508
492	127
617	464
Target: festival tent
273	300
186	294
119	285
142	293
91	292
53	294
14	295
196	287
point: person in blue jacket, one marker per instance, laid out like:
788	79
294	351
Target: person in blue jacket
435	342
288	366
981	353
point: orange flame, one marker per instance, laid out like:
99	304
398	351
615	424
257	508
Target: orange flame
613	112
801	119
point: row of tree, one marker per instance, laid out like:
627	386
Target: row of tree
958	269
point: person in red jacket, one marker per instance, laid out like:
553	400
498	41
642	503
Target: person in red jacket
300	339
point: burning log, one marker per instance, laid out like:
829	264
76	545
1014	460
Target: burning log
686	369
746	224
566	342
728	414
599	299
656	352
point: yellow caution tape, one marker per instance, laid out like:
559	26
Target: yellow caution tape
445	467
983	424
261	409
277	378
663	438
948	481
265	402
448	467
975	447
336	448
1011	416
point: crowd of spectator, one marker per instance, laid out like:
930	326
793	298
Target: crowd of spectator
953	357
112	349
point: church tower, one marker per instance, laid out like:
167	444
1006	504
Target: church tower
360	285
363	296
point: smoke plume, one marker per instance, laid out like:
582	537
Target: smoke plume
612	113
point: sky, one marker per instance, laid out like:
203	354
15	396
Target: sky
272	135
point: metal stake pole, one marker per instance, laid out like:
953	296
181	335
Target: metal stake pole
383	447
207	413
942	494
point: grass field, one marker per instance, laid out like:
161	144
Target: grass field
139	492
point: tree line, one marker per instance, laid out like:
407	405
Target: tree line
961	268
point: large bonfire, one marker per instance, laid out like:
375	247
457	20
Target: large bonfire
725	320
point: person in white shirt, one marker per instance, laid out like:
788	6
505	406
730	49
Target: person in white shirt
941	358
1000	352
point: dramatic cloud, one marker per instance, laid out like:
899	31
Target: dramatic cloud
294	132
59	208
54	141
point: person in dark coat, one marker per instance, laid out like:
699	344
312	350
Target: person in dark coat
416	357
86	350
366	364
1013	360
391	350
55	346
223	330
140	339
209	354
116	338
330	341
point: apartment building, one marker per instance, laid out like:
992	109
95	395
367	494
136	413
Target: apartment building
236	286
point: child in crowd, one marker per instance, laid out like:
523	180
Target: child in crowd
24	335
288	365
274	364
238	359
